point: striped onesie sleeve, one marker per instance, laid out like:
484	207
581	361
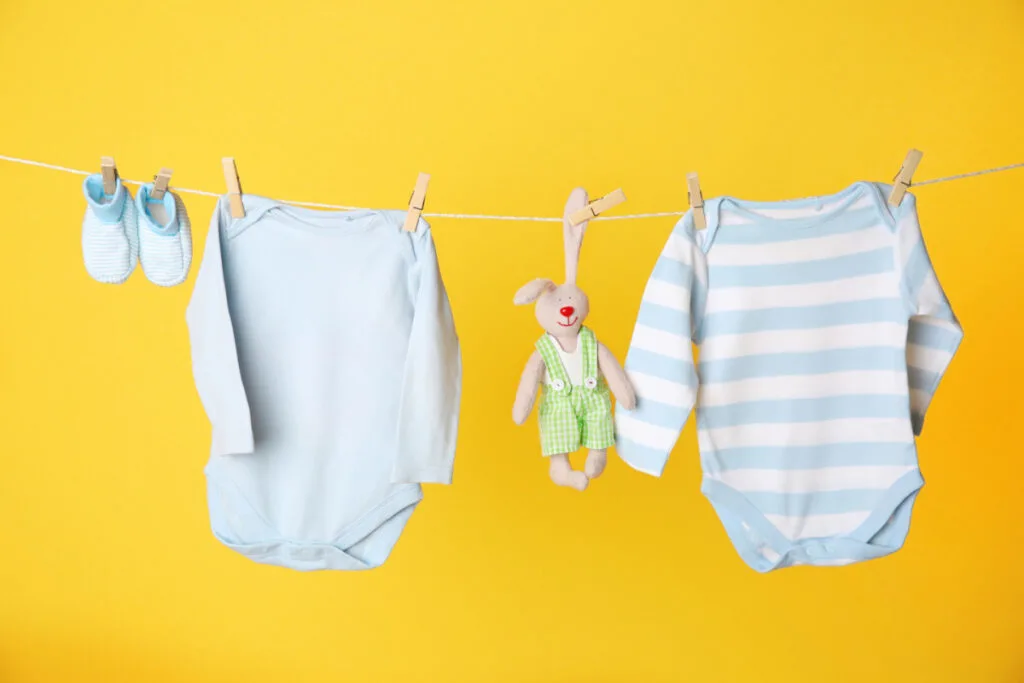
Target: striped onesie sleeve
660	361
934	333
822	335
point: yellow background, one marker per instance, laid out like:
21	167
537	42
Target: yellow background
109	570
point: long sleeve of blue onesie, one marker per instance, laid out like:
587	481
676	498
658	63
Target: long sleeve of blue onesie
214	356
431	387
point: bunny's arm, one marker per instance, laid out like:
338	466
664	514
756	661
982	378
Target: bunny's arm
533	373
616	377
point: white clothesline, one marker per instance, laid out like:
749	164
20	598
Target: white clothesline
476	216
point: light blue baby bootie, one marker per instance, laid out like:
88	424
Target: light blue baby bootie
165	236
110	236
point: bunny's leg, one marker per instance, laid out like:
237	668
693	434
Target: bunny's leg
596	462
563	474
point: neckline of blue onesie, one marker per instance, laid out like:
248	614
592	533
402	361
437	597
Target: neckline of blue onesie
838	204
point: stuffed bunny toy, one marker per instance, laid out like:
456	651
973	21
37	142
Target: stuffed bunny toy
577	371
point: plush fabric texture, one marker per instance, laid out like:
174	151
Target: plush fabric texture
110	233
325	355
165	236
573	415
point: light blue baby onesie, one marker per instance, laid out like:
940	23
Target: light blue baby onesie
325	356
823	334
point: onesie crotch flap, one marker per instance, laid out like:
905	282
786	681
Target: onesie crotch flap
764	546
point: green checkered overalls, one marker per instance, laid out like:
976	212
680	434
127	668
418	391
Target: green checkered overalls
571	416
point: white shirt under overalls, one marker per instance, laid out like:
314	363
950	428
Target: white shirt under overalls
572	362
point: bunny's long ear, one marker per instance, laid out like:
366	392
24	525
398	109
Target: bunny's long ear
573	235
532	290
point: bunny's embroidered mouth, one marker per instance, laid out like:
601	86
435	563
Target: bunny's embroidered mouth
570	323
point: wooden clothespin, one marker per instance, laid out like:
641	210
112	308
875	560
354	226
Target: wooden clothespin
160	182
597	207
416	203
109	171
234	187
901	183
696	200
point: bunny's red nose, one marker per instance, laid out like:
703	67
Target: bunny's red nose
567	311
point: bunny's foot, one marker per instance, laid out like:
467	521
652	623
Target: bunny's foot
563	474
596	462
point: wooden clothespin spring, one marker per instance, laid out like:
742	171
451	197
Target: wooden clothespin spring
160	182
901	183
597	207
417	202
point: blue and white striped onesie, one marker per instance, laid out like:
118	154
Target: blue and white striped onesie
822	334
